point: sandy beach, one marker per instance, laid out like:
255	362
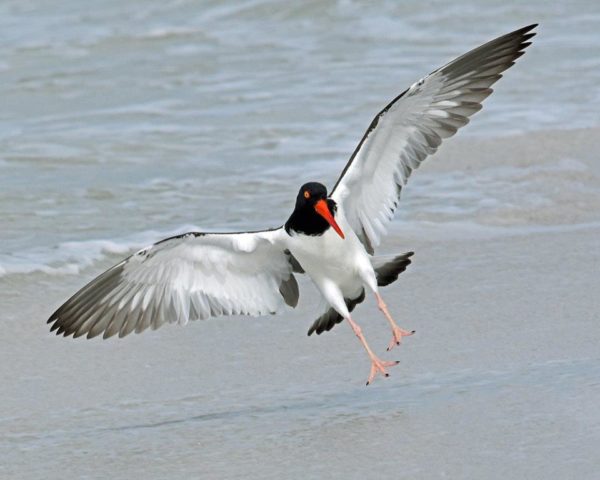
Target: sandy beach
123	123
501	376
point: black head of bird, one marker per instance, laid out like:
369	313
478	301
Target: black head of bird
314	212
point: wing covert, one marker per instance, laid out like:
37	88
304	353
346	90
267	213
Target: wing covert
187	277
412	127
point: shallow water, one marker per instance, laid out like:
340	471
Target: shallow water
124	122
117	115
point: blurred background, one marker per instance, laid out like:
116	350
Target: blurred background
125	122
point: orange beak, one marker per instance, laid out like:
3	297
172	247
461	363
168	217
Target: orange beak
323	209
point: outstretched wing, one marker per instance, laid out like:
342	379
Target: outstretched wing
187	277
412	127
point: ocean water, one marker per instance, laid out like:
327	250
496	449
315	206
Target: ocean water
124	122
131	120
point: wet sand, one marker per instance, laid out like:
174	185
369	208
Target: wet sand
500	381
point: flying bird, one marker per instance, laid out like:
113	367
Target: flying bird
330	237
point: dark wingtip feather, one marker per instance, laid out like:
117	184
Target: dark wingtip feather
388	272
524	31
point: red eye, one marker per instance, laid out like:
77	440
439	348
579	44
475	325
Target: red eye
306	194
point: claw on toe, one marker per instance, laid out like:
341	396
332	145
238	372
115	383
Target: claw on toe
379	366
397	334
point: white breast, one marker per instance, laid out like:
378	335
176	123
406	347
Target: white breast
329	257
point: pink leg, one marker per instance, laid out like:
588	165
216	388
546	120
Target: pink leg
377	365
397	332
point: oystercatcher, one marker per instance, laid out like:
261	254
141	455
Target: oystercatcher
329	237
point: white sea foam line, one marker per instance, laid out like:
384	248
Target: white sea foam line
72	257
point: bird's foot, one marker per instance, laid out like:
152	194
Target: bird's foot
379	366
397	334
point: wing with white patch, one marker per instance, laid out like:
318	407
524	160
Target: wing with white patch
188	277
412	127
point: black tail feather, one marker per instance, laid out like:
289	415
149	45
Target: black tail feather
331	318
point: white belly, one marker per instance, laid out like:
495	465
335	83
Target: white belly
328	257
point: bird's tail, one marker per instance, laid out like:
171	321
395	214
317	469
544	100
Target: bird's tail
387	268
